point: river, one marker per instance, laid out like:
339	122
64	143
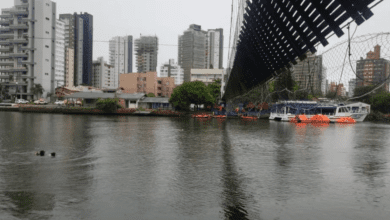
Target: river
110	167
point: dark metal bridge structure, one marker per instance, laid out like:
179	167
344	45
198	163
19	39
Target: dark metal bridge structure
276	33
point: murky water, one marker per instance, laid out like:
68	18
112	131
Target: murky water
170	168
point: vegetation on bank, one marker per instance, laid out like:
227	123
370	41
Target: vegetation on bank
108	105
195	93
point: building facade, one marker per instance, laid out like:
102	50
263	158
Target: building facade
74	37
146	49
338	88
104	76
214	49
87	44
207	76
351	87
200	49
172	69
309	73
121	54
373	70
147	83
59	77
27	46
69	67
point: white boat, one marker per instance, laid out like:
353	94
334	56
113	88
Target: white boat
359	110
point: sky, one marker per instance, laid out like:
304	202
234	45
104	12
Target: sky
167	19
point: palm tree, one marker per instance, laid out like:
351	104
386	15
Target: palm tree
37	89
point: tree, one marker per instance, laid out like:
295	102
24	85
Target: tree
191	93
215	90
381	102
108	105
150	95
37	90
362	90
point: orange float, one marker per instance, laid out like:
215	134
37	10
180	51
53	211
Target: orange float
346	120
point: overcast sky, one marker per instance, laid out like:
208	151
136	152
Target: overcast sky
169	18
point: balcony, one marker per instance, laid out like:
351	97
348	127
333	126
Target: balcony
19	26
4	28
18	55
18	12
4	22
28	48
28	19
4	56
23	5
7	63
19	41
5	49
4	42
28	62
7	35
5	16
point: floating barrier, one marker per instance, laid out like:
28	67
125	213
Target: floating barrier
300	119
249	117
346	120
319	119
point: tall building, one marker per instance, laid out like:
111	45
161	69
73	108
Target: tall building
373	70
59	78
338	88
27	40
87	43
172	69
121	54
351	87
309	73
200	49
104	76
214	47
74	37
192	50
146	49
69	67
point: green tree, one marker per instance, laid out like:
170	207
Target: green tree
191	93
381	102
108	105
150	95
37	90
215	90
361	90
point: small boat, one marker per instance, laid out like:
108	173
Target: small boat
249	117
219	116
203	115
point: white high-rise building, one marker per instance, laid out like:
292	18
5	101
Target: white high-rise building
59	78
27	46
121	54
214	49
172	69
103	75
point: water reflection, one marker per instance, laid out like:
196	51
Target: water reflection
233	196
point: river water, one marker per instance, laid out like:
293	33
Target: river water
170	168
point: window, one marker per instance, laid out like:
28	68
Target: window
47	32
46	46
133	102
47	19
46	74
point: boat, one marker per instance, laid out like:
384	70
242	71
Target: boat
203	115
359	110
249	117
287	110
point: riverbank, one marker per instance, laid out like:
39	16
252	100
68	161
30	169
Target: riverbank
378	117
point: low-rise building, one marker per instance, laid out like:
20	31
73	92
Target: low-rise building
206	75
104	75
147	83
91	97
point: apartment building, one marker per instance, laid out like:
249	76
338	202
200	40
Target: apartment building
199	49
147	83
27	46
373	70
121	54
104	76
59	77
172	69
69	67
309	73
207	76
146	49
